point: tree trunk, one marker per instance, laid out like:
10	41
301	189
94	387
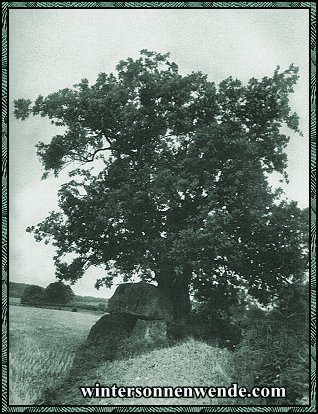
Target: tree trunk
176	287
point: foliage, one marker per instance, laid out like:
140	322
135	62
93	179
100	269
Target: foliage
16	289
32	295
183	196
58	292
90	306
275	347
274	256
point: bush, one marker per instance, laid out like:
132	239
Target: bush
213	326
32	295
275	349
271	354
102	307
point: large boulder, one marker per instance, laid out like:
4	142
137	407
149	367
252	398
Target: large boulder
149	331
103	340
143	300
109	330
146	335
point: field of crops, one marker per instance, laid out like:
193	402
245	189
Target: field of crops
41	348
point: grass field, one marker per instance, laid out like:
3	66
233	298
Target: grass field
190	363
42	344
41	348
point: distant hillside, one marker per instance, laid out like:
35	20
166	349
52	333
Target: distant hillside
16	291
89	299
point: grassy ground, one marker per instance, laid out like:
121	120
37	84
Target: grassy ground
191	363
42	343
42	346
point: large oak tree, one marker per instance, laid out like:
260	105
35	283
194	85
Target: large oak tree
183	196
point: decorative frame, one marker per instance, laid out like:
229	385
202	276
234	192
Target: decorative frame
312	40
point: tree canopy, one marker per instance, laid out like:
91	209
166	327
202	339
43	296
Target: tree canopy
183	196
58	292
32	295
54	293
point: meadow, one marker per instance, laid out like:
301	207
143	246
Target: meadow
190	363
42	343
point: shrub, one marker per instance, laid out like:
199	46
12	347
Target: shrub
214	325
102	307
32	295
275	349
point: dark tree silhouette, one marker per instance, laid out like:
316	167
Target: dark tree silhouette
58	293
183	197
32	295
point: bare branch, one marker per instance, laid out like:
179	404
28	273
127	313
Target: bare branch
95	152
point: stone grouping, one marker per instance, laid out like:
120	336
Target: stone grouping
137	319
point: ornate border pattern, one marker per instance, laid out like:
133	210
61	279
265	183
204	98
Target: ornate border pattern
5	6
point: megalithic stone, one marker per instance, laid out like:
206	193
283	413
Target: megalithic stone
143	300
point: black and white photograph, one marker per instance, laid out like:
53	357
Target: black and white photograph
158	207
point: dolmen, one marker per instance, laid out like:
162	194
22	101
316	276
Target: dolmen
138	314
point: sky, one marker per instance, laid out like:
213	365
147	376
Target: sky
50	49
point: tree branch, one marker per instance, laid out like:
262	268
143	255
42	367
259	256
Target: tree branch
95	152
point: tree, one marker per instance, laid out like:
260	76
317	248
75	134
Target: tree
32	295
268	246
183	192
58	292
